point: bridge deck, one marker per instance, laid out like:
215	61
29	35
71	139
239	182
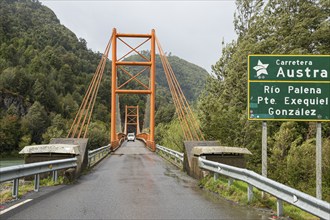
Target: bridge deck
133	183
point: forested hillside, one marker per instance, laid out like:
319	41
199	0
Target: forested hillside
279	27
44	73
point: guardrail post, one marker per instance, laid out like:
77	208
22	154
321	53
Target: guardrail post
230	181
279	205
15	188
250	192
215	176
55	176
36	182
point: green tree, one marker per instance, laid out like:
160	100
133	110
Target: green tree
98	135
287	136
57	129
170	135
278	27
9	133
41	93
35	122
301	166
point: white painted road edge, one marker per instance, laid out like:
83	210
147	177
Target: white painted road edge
15	206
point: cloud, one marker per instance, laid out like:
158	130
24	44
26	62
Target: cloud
192	30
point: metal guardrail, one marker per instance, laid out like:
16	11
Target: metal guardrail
282	192
19	171
95	155
178	157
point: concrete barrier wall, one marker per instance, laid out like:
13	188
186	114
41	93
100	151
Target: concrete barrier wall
82	159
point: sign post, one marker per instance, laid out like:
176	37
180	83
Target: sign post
290	88
264	152
318	161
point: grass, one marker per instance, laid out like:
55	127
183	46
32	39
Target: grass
237	192
25	187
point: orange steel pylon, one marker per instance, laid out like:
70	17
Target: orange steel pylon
132	118
148	63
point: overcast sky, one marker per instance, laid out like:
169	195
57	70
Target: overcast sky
192	30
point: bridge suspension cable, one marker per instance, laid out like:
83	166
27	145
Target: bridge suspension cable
189	125
79	127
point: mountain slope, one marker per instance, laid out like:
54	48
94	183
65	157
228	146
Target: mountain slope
45	71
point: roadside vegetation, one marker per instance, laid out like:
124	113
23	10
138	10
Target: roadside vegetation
26	187
237	192
269	27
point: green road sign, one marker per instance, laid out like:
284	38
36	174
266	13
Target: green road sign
289	87
289	67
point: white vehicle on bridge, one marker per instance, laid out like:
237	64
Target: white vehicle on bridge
130	137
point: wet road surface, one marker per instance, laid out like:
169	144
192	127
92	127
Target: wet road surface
133	183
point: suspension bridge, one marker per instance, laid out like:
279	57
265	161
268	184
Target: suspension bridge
135	183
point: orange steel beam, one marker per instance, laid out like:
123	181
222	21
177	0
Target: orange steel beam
132	49
130	63
113	135
137	120
126	91
133	78
153	91
134	35
125	129
132	117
